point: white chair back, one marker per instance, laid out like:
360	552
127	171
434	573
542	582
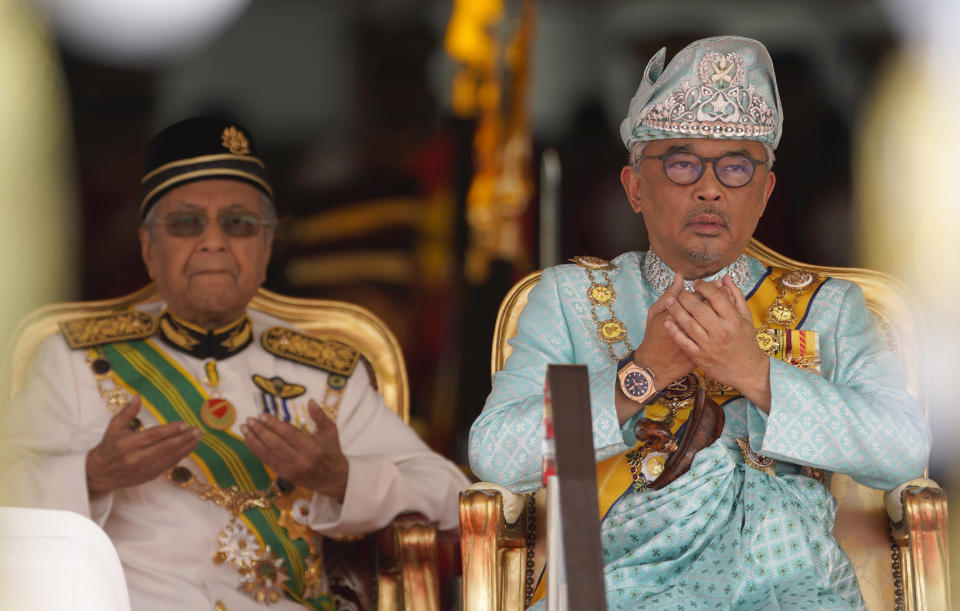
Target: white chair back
58	560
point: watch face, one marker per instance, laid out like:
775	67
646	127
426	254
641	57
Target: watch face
635	384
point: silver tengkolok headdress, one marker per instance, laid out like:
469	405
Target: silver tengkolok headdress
722	87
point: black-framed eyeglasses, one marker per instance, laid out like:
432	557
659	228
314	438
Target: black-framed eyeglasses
686	168
189	224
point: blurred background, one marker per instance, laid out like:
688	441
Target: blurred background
426	154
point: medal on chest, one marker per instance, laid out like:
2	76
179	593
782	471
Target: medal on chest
216	412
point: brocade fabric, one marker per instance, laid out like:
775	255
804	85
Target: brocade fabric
724	535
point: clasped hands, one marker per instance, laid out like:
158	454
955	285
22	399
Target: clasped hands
711	328
126	457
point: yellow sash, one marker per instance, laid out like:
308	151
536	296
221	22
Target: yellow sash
800	348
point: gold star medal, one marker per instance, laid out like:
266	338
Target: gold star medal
235	141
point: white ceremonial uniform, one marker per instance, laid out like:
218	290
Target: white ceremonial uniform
166	536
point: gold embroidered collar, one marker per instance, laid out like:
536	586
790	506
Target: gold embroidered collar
203	343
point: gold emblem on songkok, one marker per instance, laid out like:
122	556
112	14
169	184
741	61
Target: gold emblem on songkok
107	329
234	141
326	354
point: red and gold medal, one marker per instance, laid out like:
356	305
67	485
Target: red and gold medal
218	413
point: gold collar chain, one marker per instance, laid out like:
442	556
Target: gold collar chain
262	575
233	499
601	294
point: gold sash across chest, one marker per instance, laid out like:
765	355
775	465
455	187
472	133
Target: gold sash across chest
779	305
781	341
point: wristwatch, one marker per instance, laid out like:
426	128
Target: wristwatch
636	381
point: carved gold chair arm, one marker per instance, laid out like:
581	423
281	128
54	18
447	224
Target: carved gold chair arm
918	514
493	548
512	502
412	583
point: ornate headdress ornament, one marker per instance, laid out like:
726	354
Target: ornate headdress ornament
722	87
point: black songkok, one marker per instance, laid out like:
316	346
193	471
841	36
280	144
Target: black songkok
198	149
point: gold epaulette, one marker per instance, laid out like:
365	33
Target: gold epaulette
108	328
326	354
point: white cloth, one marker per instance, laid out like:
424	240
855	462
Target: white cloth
166	536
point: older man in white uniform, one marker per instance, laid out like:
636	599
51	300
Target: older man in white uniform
214	443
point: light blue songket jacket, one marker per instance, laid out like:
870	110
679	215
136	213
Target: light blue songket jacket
724	535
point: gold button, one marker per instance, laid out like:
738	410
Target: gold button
219	606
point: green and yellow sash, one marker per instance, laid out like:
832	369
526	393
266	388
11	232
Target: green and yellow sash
172	395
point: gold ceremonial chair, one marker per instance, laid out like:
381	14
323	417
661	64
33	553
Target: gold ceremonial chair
896	540
408	577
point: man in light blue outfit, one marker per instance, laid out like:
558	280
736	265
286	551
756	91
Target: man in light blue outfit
796	361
